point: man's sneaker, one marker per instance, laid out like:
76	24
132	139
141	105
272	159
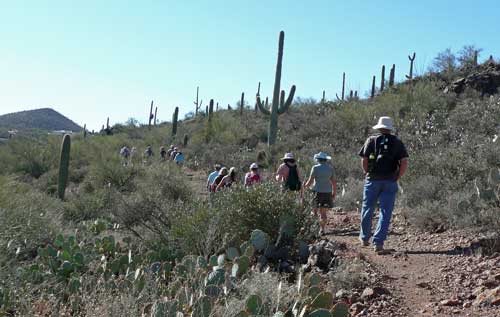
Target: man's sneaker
364	243
378	248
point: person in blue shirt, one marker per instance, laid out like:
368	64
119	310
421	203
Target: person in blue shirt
212	176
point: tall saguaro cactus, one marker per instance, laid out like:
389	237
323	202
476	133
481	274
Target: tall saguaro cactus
175	120
242	103
63	166
258	94
382	79
150	114
279	105
343	85
411	58
196	103
156	112
373	87
85	131
210	110
392	75
323	99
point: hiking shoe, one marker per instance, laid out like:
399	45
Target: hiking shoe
378	248
364	243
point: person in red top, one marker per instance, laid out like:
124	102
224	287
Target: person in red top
252	177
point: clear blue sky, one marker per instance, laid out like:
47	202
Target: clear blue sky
101	58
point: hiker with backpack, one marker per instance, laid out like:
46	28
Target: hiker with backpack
212	176
384	162
222	173
163	153
179	157
253	176
169	152
288	174
173	153
228	180
125	154
322	177
148	153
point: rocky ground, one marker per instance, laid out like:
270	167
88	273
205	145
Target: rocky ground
443	274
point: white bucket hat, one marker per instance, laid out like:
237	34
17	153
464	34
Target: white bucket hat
254	166
288	156
384	123
322	156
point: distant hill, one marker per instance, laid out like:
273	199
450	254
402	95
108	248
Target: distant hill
41	119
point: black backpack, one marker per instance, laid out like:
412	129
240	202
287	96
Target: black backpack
293	182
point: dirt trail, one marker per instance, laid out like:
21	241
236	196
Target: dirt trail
424	270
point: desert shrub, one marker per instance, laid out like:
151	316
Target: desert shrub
349	274
263	207
350	193
84	205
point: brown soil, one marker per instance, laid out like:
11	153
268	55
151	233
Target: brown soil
426	274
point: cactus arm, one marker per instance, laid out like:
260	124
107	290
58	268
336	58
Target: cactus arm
285	106
263	108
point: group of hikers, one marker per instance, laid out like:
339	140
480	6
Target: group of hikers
384	161
172	154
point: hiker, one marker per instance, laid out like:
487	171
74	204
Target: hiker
173	153
169	152
125	154
212	176
288	174
253	176
148	153
322	178
384	161
222	173
163	153
228	180
179	157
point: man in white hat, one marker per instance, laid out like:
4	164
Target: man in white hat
288	173
325	187
384	161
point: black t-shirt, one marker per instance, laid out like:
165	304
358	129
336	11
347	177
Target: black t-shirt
388	151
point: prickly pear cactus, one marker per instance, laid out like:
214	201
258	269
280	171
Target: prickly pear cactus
64	166
259	239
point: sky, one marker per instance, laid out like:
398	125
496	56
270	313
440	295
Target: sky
95	59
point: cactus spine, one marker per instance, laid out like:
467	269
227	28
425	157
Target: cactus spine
343	85
63	166
392	75
411	58
175	119
279	105
150	114
242	103
373	87
382	80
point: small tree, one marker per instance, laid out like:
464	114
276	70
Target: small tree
467	56
444	62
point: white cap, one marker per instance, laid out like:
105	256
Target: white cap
254	166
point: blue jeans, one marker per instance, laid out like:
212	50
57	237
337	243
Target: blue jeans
383	191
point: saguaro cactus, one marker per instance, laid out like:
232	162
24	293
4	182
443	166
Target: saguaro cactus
156	112
85	131
197	105
151	116
107	124
355	95
63	166
175	119
258	94
323	99
242	103
411	58
279	105
373	87
210	110
343	85
392	75
382	80
351	95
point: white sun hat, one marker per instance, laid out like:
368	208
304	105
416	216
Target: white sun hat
288	156
322	156
384	123
254	166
